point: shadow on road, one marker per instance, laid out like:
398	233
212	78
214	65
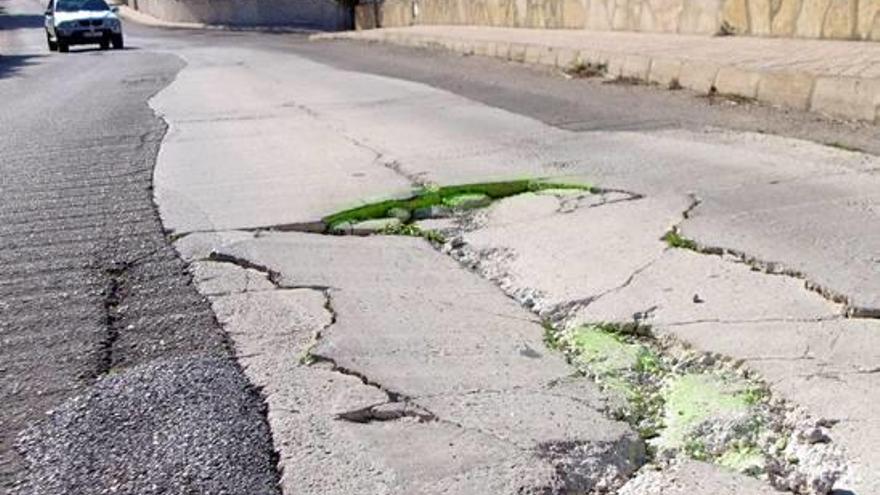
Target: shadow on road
20	21
96	49
11	64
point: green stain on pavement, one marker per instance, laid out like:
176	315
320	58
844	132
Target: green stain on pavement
743	459
667	407
449	196
467	201
693	399
605	353
612	355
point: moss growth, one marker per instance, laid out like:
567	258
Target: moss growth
433	196
467	201
695	398
611	354
755	395
412	230
603	352
746	459
675	240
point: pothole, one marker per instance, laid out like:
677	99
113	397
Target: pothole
703	407
684	404
410	216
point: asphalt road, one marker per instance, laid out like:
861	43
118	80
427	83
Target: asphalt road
93	301
99	321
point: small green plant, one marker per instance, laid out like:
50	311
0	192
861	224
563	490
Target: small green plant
583	70
696	449
413	230
551	336
306	359
648	362
675	240
623	329
754	395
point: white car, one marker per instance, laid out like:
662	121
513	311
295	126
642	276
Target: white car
82	22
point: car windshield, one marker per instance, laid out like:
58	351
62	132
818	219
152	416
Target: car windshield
75	5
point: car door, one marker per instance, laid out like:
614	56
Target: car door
50	18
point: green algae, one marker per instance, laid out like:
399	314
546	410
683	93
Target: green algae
743	459
692	399
623	367
467	201
440	195
604	353
670	408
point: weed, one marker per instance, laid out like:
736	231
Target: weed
755	395
676	240
626	81
623	329
726	29
648	362
551	336
412	230
696	449
306	359
583	70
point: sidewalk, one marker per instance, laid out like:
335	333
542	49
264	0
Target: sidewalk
837	78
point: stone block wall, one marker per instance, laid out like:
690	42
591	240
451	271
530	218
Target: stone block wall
831	19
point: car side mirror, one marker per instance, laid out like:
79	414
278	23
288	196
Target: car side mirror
48	12
114	9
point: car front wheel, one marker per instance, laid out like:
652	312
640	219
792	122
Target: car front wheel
117	42
53	47
63	47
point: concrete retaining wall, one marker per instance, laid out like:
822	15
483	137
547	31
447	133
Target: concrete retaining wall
837	19
320	14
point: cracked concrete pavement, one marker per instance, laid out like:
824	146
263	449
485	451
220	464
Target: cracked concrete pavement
383	358
385	364
413	376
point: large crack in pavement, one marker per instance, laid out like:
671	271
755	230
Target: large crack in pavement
398	406
675	239
814	476
520	452
818	472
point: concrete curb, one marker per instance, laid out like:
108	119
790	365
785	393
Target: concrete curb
850	98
